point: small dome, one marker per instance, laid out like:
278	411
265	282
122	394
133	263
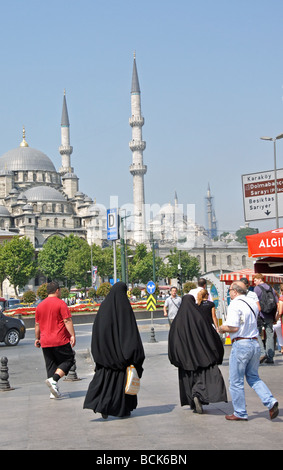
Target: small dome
4	211
43	193
27	207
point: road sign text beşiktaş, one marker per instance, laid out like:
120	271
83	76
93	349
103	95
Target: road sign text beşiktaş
259	195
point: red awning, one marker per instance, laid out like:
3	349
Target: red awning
266	244
228	278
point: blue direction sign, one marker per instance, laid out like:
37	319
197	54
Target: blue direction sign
150	287
112	224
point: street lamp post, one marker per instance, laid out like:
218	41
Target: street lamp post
273	139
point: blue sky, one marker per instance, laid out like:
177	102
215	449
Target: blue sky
211	78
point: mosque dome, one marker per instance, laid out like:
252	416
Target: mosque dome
4	211
25	158
43	194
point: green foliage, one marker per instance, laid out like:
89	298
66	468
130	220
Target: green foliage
188	286
136	292
104	289
140	268
52	257
42	291
190	265
77	264
64	292
91	293
243	232
18	261
29	296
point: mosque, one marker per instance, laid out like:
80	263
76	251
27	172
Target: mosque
38	201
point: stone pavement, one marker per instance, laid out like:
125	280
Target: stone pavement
30	420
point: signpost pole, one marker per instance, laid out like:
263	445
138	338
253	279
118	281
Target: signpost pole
151	305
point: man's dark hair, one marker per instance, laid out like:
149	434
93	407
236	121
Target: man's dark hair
52	287
245	280
201	282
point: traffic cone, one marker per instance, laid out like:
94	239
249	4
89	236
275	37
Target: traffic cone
228	341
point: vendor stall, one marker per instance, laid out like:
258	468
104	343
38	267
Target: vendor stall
228	278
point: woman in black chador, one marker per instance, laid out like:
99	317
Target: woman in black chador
115	344
196	349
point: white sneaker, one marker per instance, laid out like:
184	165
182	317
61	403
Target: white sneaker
55	398
53	387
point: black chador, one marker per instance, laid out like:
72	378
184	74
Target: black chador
195	347
115	344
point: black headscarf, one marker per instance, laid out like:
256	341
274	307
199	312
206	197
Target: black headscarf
116	342
193	342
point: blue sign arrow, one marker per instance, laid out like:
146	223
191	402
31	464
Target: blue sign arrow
150	287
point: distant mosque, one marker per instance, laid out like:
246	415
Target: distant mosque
38	201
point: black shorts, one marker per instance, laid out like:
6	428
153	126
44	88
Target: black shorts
58	357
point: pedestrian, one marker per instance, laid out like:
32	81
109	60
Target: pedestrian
266	318
207	307
172	303
55	334
278	327
250	293
241	324
195	347
115	345
201	286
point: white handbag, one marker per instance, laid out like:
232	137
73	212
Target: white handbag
133	381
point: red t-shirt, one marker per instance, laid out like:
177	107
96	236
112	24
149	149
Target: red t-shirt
50	315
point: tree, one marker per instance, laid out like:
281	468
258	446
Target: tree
42	291
141	267
243	232
77	265
2	269
58	251
189	264
20	265
64	292
104	289
52	257
91	293
188	286
29	296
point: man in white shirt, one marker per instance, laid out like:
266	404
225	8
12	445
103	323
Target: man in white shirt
201	286
172	303
241	324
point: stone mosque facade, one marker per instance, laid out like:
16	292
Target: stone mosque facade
37	201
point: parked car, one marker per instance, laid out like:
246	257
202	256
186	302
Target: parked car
12	303
11	330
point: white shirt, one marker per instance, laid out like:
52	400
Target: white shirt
240	315
195	292
252	295
173	304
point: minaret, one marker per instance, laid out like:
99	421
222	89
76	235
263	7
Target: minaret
212	223
137	169
65	149
70	181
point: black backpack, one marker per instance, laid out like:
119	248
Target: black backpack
267	301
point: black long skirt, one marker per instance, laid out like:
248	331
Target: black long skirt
106	393
206	384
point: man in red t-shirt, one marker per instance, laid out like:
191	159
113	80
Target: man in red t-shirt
54	332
